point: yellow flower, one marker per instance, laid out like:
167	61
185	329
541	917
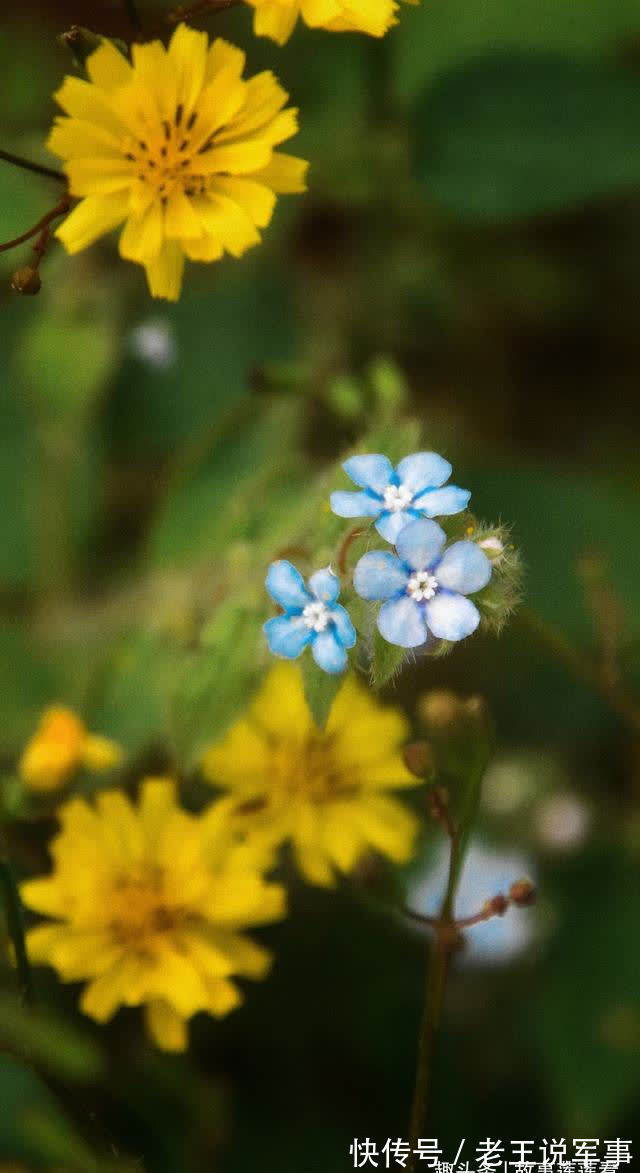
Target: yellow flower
277	18
179	148
323	791
59	746
149	905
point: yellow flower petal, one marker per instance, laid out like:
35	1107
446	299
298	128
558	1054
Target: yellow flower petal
280	707
387	825
275	20
167	1028
283	173
100	753
181	220
108	68
141	238
188	51
255	199
239	759
164	274
223	997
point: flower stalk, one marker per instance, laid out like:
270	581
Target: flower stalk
15	925
29	165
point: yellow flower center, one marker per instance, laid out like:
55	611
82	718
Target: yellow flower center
139	906
310	771
170	158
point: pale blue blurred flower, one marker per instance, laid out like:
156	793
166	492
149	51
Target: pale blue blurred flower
398	496
312	616
424	588
486	873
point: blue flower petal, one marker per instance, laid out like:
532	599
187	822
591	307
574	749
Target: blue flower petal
423	470
287	637
379	575
363	504
389	525
325	585
463	568
371	471
328	652
442	502
400	621
286	586
420	544
344	628
451	616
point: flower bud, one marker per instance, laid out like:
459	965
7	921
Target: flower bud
26	281
418	758
522	893
493	547
497	906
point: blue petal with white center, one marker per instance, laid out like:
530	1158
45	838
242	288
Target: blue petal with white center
424	589
328	652
364	504
400	621
286	586
379	575
343	626
464	568
325	585
312	617
287	636
371	471
396	497
423	470
420	544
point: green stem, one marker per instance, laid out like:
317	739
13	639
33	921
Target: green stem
437	969
27	165
584	668
16	931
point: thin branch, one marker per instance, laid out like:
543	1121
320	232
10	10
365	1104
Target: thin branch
28	165
343	548
584	668
16	931
198	8
42	226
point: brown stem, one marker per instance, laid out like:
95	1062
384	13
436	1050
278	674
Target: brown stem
42	227
343	548
198	8
27	165
436	981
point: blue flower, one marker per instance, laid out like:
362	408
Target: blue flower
311	616
424	590
401	495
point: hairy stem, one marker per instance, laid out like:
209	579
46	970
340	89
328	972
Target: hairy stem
437	970
28	165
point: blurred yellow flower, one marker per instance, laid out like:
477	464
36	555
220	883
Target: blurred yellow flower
325	791
178	148
277	18
59	746
150	904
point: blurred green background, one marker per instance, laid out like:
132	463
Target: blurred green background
473	218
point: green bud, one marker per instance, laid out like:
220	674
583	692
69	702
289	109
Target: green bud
83	42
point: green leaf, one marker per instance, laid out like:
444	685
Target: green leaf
65	360
586	1037
432	38
515	135
15	924
320	690
33	1127
386	660
45	1040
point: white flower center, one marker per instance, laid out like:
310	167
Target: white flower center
422	585
316	616
397	498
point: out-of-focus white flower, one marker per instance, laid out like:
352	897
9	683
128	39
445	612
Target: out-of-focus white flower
154	343
487	872
562	822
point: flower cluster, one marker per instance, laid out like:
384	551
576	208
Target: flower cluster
423	587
